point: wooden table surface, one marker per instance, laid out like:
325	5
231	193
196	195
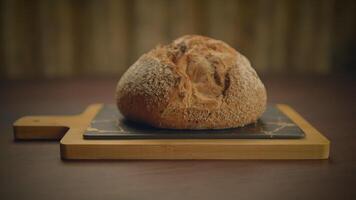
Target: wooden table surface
34	169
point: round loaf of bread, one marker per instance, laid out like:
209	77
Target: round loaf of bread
195	82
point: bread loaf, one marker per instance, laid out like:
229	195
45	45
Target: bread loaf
195	82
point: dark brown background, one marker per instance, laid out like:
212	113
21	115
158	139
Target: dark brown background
73	38
34	170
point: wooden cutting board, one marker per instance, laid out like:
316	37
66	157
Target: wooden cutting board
100	132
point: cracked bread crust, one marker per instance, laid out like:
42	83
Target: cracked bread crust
195	82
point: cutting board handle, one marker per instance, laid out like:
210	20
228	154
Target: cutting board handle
52	127
41	127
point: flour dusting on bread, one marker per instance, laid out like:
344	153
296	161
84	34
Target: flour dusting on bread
195	82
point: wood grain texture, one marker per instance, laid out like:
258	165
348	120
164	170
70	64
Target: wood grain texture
20	39
279	37
219	11
263	34
48	39
246	29
57	48
110	43
322	60
151	25
73	146
178	13
344	29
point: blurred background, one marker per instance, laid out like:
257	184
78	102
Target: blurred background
75	38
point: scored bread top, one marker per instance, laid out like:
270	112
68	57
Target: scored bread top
195	82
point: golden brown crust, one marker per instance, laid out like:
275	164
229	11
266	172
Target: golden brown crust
193	83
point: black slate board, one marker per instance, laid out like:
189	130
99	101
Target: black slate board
110	124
